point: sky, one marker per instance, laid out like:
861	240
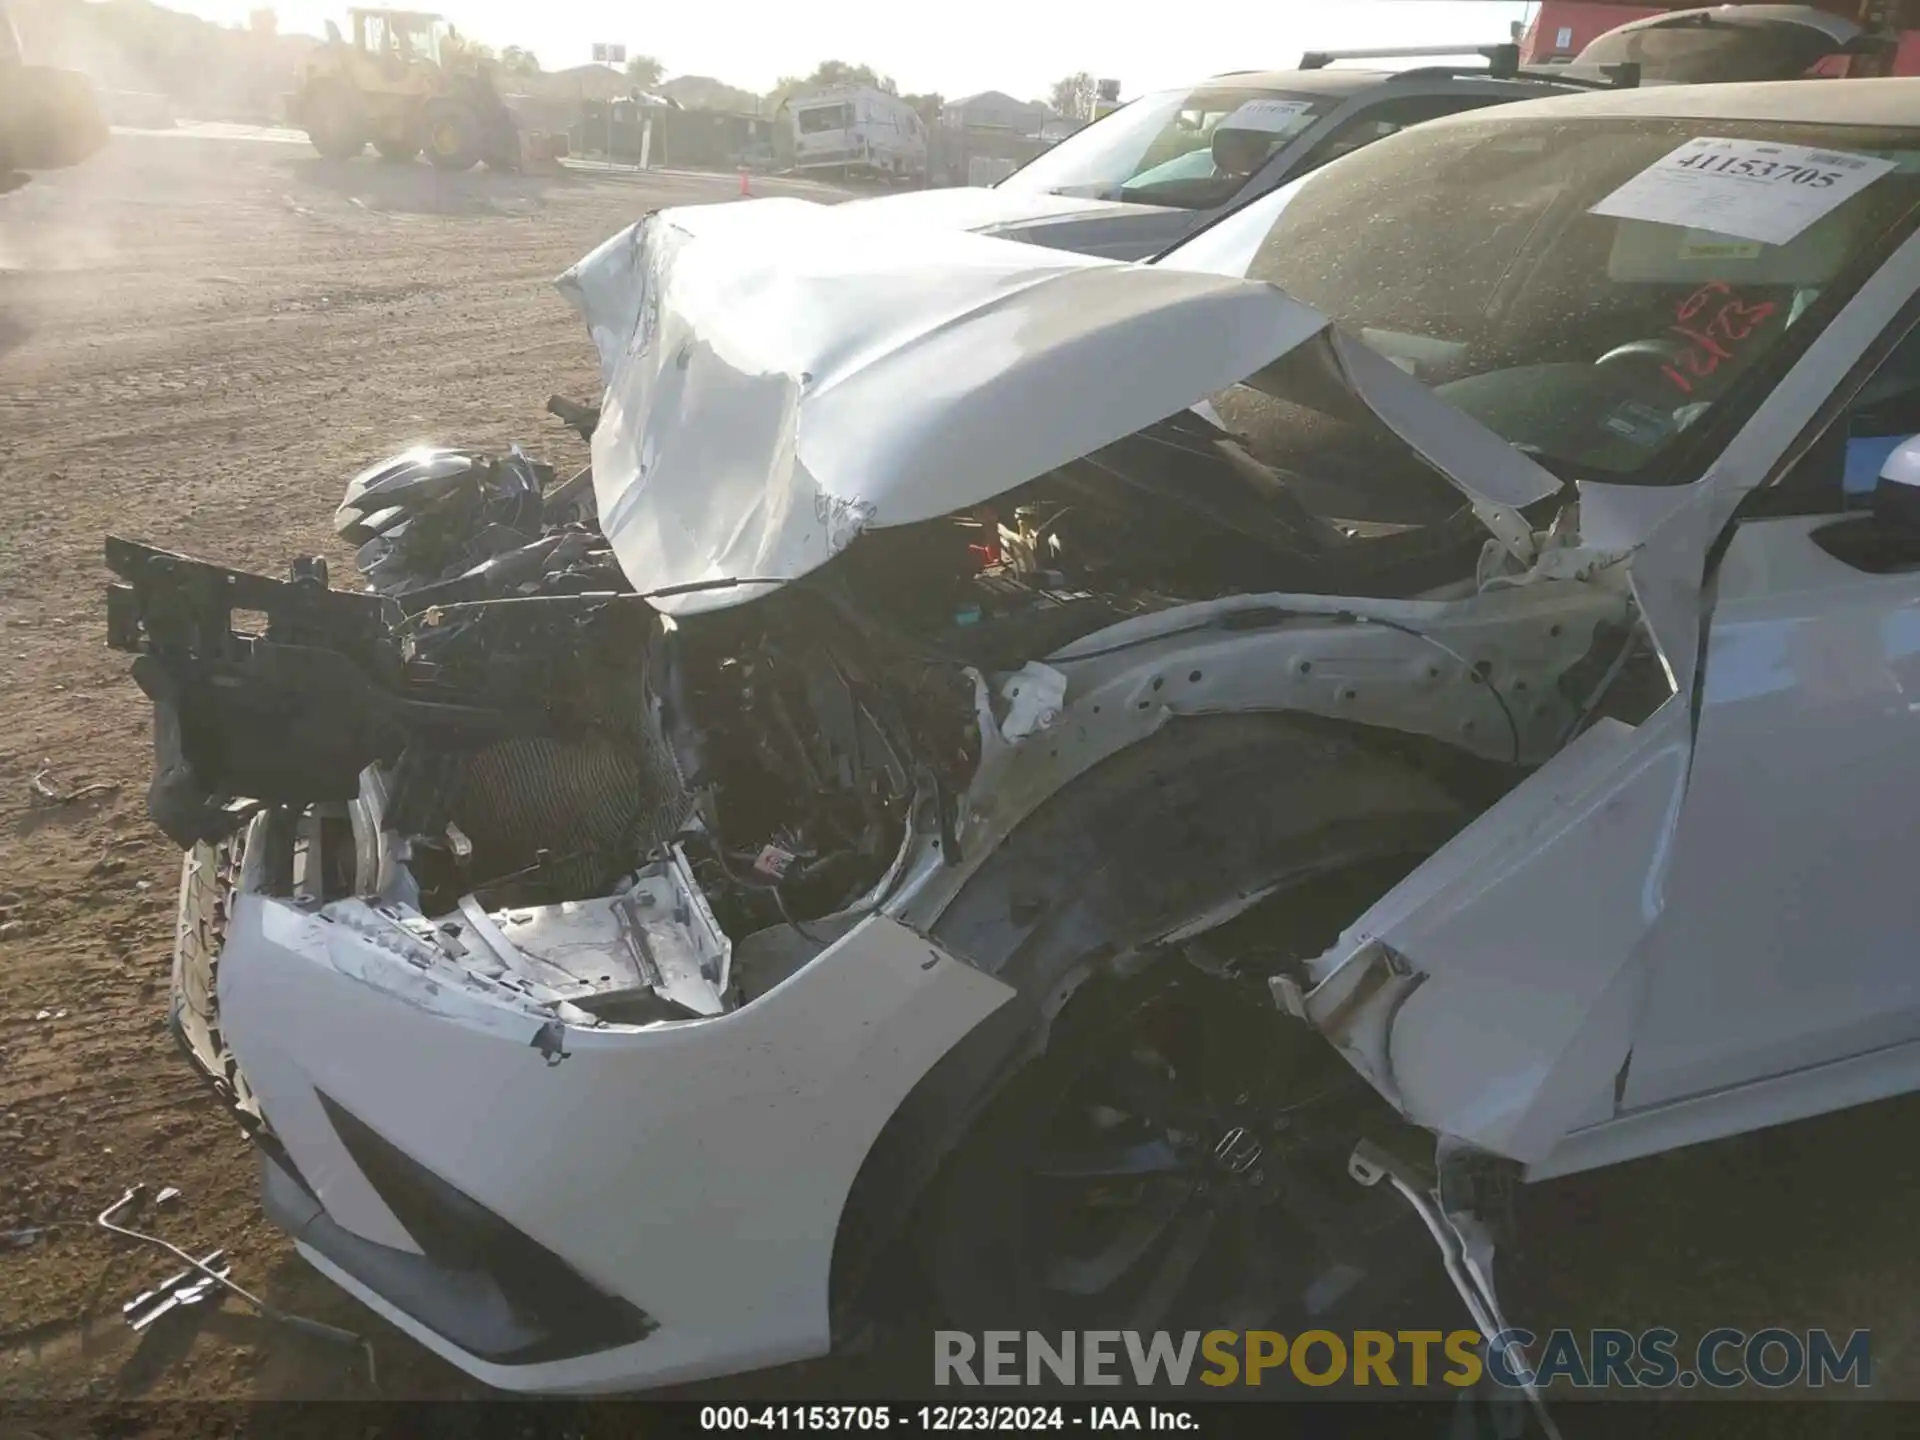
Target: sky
1018	46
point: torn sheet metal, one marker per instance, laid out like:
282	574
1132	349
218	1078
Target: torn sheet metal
976	207
770	395
1035	697
1495	476
1520	1020
603	286
657	936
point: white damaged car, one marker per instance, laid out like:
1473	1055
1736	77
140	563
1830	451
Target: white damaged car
1136	792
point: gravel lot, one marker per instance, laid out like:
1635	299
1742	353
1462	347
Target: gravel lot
200	339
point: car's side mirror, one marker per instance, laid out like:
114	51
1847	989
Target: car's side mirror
1896	496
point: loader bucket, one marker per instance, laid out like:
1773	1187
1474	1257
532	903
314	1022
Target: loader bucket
49	119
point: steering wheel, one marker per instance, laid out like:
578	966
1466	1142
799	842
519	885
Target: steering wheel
1638	353
1637	366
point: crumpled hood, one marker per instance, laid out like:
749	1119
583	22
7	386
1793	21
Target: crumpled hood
783	375
972	207
1113	228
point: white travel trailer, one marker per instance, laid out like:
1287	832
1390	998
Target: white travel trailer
858	130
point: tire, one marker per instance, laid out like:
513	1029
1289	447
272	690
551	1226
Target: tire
1320	818
452	135
1174	1160
336	125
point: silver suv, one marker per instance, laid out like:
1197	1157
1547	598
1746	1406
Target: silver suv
1165	165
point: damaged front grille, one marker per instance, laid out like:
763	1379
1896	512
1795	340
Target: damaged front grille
591	805
536	730
520	742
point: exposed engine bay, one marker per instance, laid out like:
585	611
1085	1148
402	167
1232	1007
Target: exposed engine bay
503	746
502	705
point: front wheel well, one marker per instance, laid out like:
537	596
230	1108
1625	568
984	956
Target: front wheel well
1208	815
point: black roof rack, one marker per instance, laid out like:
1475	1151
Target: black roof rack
1320	59
1503	63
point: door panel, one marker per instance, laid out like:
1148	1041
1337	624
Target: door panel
1791	929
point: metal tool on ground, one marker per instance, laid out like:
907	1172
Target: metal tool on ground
136	1197
185	1288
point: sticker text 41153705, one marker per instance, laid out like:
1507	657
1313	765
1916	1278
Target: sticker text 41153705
1750	189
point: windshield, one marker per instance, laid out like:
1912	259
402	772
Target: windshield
1558	279
1185	149
1705	49
822	118
418	39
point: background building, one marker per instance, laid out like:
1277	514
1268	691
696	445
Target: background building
994	110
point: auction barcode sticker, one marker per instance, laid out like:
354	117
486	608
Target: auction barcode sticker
1276	116
1705	245
1750	189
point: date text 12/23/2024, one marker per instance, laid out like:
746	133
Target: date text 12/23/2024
935	1419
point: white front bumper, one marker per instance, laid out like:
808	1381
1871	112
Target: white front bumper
697	1169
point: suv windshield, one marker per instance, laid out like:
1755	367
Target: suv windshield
1471	254
821	119
1187	149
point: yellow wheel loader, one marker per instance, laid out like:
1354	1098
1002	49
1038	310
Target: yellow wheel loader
49	119
403	82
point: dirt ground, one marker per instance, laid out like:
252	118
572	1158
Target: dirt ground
200	340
